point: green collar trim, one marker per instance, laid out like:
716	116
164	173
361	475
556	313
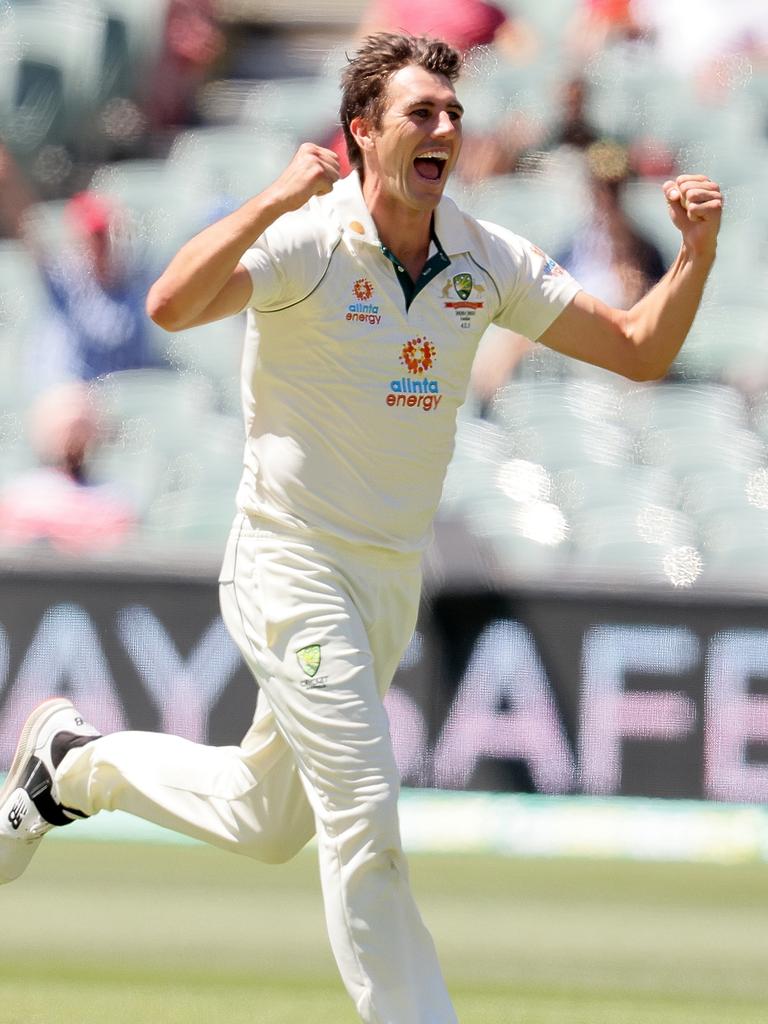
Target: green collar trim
434	265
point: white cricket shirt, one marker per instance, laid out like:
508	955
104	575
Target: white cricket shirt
350	395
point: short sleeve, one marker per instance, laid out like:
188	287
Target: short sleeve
288	260
268	283
534	288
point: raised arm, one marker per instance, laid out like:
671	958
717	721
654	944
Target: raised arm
205	280
642	342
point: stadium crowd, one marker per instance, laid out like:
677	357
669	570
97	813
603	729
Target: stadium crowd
576	112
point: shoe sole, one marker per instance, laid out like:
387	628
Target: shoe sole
27	745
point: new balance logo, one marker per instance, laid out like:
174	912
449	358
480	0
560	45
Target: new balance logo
17	812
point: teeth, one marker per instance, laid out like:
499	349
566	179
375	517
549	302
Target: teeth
434	155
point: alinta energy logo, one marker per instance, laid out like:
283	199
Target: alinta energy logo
363	310
416	391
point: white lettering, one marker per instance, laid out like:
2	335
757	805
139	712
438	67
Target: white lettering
409	736
184	692
609	714
64	657
505	709
735	717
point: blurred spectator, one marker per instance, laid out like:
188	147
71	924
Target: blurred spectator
609	255
573	126
497	357
56	502
464	24
649	157
519	136
598	24
192	44
713	44
96	322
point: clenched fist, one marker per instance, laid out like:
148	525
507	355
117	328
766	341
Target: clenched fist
696	207
312	172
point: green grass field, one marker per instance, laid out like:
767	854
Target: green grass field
108	933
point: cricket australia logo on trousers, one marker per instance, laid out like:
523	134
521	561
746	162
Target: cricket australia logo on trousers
309	658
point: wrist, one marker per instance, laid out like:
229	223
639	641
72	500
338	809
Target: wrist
701	255
263	209
275	201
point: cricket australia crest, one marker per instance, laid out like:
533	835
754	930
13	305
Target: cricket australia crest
309	659
463	286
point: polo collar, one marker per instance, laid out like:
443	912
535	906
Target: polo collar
356	221
449	226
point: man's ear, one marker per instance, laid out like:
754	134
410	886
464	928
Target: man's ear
362	133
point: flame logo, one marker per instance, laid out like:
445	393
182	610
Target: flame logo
363	289
418	355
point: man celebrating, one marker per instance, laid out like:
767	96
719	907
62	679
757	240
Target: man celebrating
366	299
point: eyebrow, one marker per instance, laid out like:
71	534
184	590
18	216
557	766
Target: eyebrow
453	105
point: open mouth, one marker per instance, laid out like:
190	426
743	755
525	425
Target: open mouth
431	166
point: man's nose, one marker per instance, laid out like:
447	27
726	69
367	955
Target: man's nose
445	124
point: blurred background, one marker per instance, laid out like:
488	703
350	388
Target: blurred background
581	719
594	620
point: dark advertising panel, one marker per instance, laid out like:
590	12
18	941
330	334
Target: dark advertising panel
545	692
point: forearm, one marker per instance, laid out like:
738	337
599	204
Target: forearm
658	324
202	267
201	283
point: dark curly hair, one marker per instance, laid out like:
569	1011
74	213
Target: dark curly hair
364	80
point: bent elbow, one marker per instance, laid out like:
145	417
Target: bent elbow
644	362
160	310
642	373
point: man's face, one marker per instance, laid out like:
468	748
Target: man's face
417	142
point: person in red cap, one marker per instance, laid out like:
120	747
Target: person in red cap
95	323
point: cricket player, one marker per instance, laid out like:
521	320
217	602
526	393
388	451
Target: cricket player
366	300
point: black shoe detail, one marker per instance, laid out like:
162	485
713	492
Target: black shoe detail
38	783
63	742
17	813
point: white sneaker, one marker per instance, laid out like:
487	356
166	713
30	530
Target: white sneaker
27	807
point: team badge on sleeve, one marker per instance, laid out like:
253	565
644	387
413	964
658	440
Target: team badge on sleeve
550	266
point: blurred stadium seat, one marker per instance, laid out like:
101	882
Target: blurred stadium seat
163	204
653	543
157	410
586	486
735	544
562	439
533	207
212	350
55	80
133	43
228	163
297	109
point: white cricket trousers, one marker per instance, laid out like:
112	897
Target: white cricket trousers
322	626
